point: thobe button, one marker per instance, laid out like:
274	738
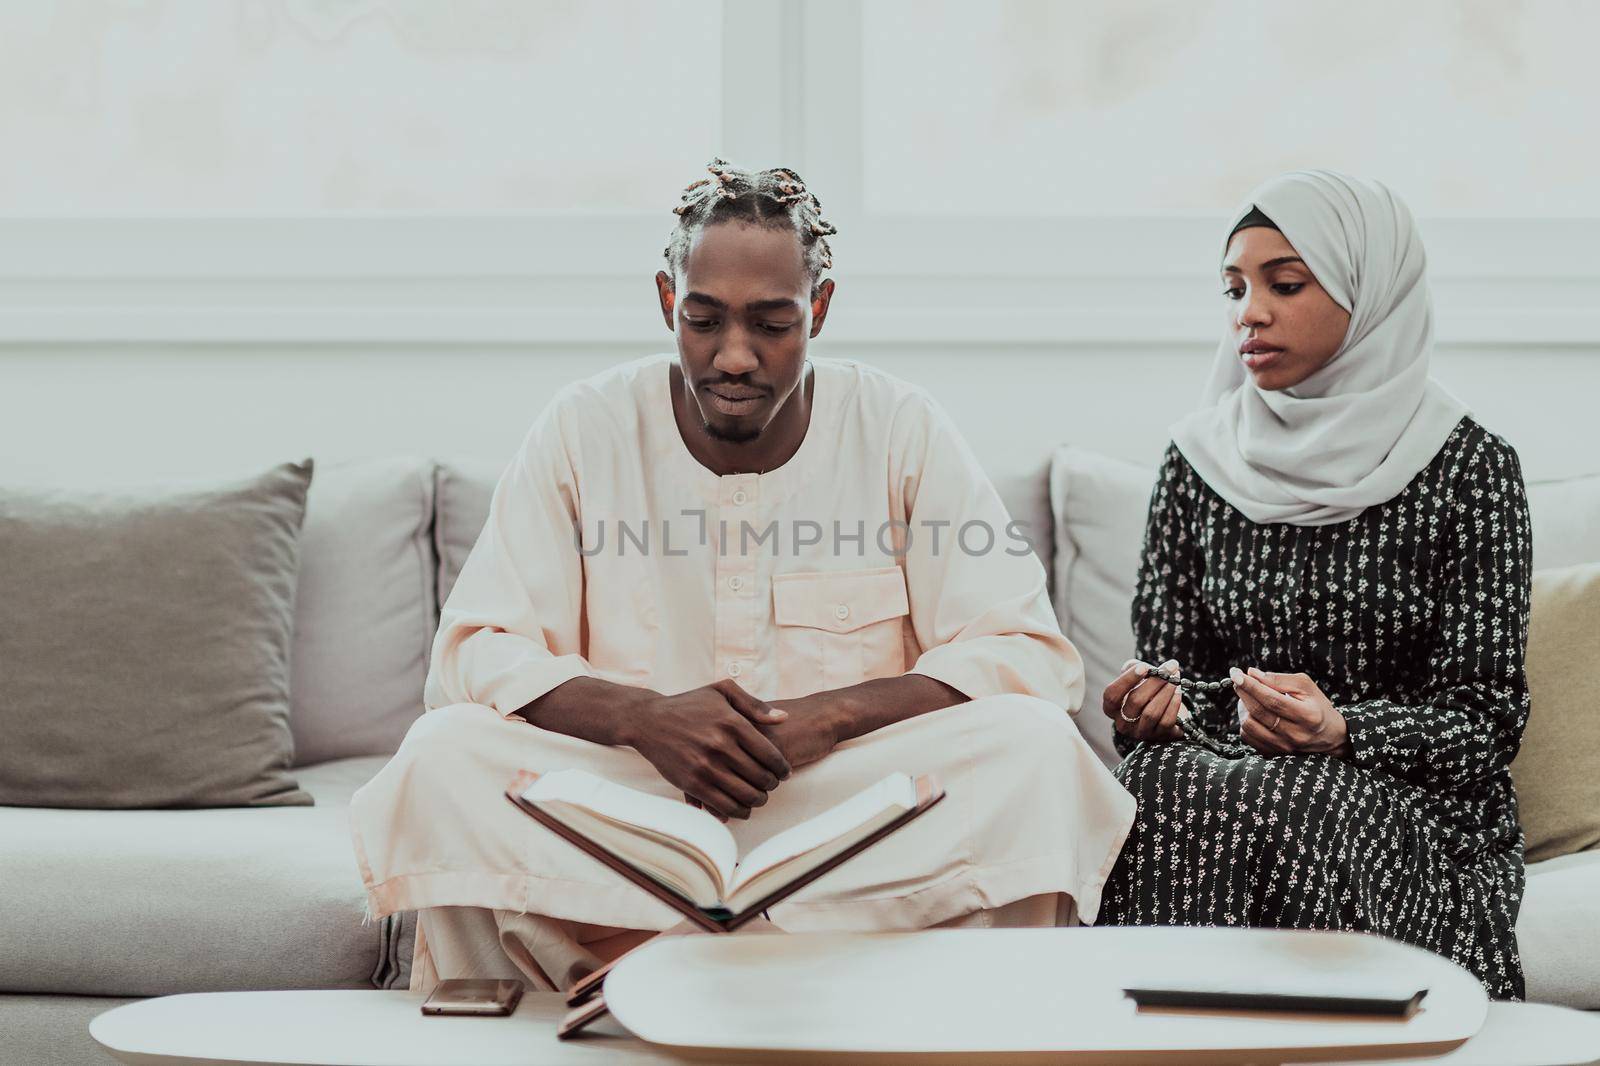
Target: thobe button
739	498
736	582
734	669
841	612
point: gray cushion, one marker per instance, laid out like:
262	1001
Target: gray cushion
365	612
1566	521
1100	505
1026	495
144	644
54	1030
461	494
1558	931
144	903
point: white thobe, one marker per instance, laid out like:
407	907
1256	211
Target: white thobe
879	548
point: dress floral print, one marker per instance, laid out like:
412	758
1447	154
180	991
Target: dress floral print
1412	618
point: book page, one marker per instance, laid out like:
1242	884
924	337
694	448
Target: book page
643	829
665	860
803	847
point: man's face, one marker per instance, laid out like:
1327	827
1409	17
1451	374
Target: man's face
743	314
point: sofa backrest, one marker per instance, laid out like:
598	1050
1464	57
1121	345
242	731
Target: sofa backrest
385	539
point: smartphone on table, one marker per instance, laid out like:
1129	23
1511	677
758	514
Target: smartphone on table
488	996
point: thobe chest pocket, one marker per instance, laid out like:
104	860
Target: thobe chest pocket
838	628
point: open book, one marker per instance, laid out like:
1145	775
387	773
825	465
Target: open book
693	856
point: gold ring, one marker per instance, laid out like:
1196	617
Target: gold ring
1125	718
1276	718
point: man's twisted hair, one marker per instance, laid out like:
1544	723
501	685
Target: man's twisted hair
775	198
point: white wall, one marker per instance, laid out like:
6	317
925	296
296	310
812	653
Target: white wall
286	106
1006	108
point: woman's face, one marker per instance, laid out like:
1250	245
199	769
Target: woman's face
1285	327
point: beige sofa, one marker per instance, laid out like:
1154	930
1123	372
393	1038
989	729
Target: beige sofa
102	907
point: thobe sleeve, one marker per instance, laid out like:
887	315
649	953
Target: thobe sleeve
510	630
980	609
1169	616
1466	722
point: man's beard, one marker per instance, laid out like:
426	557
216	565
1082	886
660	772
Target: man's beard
737	436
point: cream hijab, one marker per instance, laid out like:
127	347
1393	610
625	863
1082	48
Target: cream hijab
1354	433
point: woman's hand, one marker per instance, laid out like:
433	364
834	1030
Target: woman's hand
1287	714
1141	707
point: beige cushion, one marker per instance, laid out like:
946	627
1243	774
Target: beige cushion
366	612
144	644
1100	505
1557	772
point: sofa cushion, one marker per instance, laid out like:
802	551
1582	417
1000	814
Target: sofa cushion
1099	506
145	641
1557	772
1566	521
152	902
1026	494
1558	931
54	1030
365	611
461	494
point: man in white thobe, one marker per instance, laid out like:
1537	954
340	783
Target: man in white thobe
756	581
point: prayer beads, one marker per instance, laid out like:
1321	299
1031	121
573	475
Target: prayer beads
1192	732
1189	685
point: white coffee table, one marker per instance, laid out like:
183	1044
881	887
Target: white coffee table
1032	995
782	998
352	1028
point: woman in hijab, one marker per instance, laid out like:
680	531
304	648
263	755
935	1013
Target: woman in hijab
1335	540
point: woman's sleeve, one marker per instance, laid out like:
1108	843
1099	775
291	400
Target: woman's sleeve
1169	617
1465	725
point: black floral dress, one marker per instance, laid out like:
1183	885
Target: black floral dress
1412	618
